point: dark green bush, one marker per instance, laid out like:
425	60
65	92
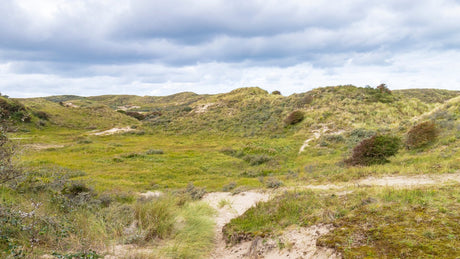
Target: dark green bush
256	159
294	118
76	188
276	92
374	150
42	115
154	152
421	135
136	115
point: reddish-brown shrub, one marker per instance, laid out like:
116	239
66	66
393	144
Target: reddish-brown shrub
294	118
421	135
374	150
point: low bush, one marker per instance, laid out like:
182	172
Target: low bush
294	118
195	192
8	170
273	183
154	152
276	92
136	115
42	115
421	135
374	150
256	159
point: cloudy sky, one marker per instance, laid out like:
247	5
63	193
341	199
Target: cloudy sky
161	47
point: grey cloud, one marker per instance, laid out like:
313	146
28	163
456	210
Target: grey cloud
143	42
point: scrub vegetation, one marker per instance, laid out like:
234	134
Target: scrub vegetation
68	192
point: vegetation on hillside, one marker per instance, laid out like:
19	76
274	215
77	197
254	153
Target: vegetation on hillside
74	193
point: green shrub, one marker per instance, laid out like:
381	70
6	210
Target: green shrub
276	92
229	187
195	192
273	183
256	159
8	170
42	115
154	152
374	150
421	135
76	188
294	118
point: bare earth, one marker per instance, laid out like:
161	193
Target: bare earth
113	131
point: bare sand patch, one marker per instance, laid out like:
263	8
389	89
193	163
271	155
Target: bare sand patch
113	131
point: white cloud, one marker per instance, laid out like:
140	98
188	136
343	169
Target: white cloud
91	47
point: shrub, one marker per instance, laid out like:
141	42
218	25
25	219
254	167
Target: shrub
421	135
76	188
276	92
136	115
42	115
229	187
273	183
195	192
384	89
8	171
374	150
256	159
294	118
154	152
307	99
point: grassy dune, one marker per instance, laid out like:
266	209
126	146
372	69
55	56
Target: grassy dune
77	192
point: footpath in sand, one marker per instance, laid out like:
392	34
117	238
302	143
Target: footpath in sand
302	241
230	206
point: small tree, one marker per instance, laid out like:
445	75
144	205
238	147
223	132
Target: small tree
8	171
384	89
374	150
421	135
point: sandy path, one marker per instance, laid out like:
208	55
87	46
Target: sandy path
298	242
301	241
391	181
230	206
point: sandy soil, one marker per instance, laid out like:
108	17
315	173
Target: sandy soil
230	206
113	131
127	107
203	108
316	135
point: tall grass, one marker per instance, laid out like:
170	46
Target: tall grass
195	236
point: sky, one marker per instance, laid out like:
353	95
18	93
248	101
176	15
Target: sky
152	47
